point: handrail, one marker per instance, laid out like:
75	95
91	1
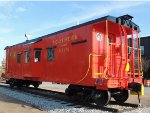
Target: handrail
104	73
120	66
89	66
106	47
139	62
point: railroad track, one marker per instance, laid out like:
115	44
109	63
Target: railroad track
63	99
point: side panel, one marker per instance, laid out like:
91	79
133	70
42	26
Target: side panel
26	66
38	69
18	61
71	64
13	67
80	56
7	60
8	64
99	50
71	56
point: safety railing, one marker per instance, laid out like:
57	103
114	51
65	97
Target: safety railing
135	62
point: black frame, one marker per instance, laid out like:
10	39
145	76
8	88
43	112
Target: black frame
51	53
19	58
27	56
38	57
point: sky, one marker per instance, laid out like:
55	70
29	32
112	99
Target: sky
38	18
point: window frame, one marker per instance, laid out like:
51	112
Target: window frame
51	53
18	58
38	58
27	58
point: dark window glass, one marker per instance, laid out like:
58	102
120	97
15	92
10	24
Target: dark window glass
37	55
18	58
50	53
27	56
109	40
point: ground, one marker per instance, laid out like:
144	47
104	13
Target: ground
11	105
145	99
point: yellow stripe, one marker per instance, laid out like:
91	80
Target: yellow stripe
138	73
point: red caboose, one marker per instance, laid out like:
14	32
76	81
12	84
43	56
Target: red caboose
95	58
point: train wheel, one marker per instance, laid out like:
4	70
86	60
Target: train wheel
36	85
71	92
12	82
122	96
102	98
19	83
27	85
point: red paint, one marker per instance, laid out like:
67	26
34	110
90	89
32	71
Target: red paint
71	61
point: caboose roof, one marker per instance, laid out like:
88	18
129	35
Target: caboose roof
110	18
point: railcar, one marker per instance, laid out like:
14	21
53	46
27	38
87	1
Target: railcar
99	59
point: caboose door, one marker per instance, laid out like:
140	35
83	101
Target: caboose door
117	44
27	63
37	65
112	52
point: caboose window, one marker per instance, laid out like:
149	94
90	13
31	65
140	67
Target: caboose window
27	56
18	58
50	53
37	55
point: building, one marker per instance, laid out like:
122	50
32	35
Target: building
145	52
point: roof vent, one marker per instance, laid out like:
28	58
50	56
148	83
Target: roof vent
125	20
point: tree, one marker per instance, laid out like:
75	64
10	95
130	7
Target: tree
3	63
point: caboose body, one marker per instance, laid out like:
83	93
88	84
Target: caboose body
95	58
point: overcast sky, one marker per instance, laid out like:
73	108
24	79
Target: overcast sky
41	18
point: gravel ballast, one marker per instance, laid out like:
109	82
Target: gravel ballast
55	106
